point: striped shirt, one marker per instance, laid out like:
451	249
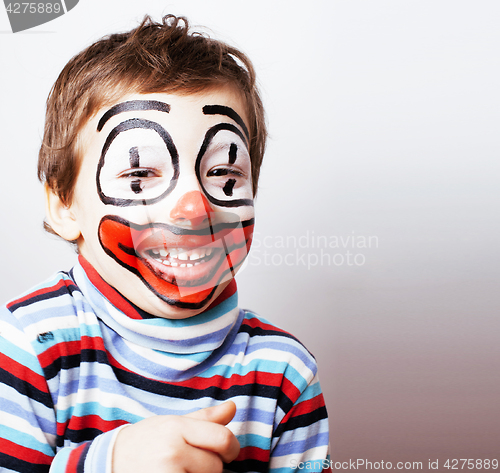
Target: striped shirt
78	361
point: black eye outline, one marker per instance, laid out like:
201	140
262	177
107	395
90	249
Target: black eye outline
206	143
167	139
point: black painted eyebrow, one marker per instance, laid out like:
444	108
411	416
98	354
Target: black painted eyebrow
229	112
133	105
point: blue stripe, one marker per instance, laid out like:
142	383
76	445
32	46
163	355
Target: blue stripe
95	408
300	446
20	356
25	440
15	409
254	440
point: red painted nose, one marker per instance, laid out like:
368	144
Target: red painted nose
191	206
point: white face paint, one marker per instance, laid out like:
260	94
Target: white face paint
164	198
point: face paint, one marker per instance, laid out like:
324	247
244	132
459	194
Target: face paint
182	267
176	208
160	160
233	149
214	167
228	187
130	106
229	112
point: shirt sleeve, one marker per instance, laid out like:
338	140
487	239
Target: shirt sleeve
28	424
301	439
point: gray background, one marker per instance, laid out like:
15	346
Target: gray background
384	120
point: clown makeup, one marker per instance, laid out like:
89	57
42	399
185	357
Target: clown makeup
164	198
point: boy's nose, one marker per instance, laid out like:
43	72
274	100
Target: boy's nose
192	206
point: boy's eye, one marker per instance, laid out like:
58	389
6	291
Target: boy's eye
140	173
223	172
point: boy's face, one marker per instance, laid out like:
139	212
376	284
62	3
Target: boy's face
163	200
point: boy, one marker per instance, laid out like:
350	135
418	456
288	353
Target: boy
139	357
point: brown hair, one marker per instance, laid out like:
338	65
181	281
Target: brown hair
154	57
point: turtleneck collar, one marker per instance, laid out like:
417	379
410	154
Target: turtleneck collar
199	335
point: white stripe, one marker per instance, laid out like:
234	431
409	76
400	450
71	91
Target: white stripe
253	427
107	400
287	461
268	355
51	324
169	332
23	426
155	357
15	336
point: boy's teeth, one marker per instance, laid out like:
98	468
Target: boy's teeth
180	254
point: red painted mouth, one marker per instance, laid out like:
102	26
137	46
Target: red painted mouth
182	267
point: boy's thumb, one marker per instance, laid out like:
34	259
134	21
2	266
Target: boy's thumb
221	414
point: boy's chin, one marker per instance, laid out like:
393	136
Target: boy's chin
176	308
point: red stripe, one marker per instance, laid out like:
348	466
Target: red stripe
93	421
253	453
228	291
59	350
65	348
44	290
305	407
267	379
253	377
93	343
289	389
24	453
74	457
255	322
61	428
108	291
22	372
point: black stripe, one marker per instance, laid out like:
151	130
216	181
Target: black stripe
79	436
26	389
304	420
69	289
259	331
17	464
83	455
228	112
133	105
134	157
184	392
67	362
250	464
61	363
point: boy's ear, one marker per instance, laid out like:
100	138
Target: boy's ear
60	216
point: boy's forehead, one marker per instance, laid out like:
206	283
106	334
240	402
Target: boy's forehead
186	116
207	106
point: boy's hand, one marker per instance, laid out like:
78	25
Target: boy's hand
195	443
